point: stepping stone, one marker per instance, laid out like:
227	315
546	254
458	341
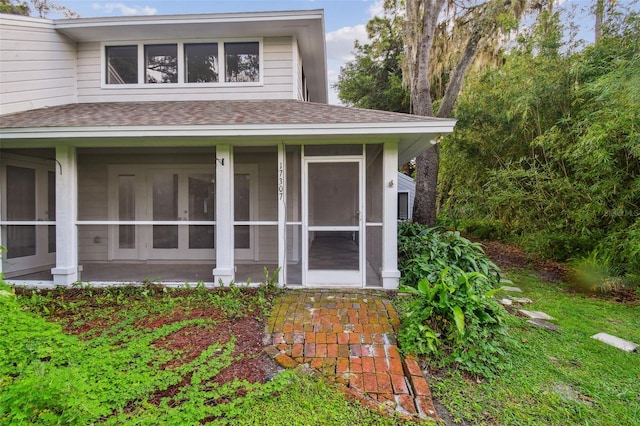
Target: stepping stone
512	289
544	324
506	281
506	302
617	342
520	299
536	315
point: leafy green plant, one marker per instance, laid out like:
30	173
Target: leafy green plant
425	252
455	320
598	272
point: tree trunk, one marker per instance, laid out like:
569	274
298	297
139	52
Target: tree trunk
457	77
599	18
425	206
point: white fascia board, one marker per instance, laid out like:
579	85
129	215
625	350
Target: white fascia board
207	18
25	21
437	128
180	26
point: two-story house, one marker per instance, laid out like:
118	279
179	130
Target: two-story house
192	148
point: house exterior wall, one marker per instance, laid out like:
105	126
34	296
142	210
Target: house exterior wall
37	64
277	63
408	185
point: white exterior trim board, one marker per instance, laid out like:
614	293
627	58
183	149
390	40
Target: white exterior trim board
230	130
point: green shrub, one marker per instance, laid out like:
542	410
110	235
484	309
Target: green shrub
453	317
600	273
455	320
426	252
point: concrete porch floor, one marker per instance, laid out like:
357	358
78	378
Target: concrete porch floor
178	272
326	253
350	336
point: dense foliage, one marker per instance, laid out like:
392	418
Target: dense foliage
373	79
425	252
546	151
452	317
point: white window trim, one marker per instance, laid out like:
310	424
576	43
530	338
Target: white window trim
180	60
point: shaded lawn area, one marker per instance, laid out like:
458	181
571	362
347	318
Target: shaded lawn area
563	378
153	355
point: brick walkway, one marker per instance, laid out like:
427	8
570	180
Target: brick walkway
350	336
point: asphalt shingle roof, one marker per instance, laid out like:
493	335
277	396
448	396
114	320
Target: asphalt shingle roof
195	113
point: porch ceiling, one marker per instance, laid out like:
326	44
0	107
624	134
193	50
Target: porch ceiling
268	120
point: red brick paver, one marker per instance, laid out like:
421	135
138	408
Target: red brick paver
350	336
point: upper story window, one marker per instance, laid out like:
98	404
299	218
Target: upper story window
122	64
242	62
183	63
201	62
161	63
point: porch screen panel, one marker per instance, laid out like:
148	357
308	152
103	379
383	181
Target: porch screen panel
293	179
21	205
256	174
332	150
201	208
293	273
333	194
375	186
333	206
165	207
334	250
294	255
242	210
127	210
374	256
51	210
374	183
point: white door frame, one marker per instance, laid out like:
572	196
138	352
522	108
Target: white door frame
42	259
331	278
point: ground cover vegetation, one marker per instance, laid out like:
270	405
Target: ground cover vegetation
152	355
563	378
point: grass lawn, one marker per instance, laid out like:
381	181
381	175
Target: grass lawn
563	378
153	356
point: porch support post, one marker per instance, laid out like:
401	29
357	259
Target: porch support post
224	271
66	271
282	213
390	274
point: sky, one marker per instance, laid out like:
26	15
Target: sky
345	20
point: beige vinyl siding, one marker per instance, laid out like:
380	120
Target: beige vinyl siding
37	65
277	71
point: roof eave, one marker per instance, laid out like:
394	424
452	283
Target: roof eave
412	137
333	129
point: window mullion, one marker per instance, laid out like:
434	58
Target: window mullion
142	72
